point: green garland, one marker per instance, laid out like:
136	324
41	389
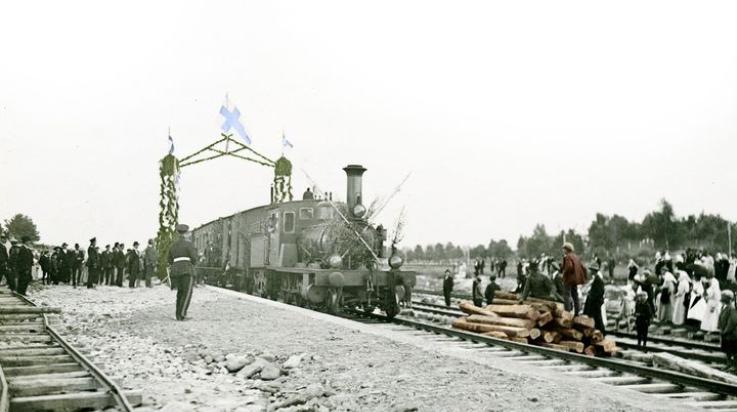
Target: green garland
283	180
169	210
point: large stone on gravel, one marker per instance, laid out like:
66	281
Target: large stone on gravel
233	365
270	372
252	369
293	361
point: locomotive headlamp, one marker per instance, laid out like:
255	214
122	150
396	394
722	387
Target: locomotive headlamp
396	261
335	261
359	210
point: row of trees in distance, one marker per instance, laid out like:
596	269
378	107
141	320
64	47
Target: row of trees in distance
606	236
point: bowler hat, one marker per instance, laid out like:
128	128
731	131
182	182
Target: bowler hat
182	228
25	239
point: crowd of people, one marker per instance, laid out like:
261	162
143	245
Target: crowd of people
692	289
112	266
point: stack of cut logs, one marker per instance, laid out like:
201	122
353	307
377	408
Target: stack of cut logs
535	321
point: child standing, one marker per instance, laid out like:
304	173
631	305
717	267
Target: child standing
643	316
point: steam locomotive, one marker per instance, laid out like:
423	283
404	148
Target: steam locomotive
311	252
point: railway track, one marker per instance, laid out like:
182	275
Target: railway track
693	391
691	349
41	371
704	352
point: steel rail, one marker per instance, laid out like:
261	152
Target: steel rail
722	388
112	387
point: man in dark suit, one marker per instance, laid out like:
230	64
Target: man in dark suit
77	265
134	266
24	266
13	264
106	266
447	286
69	259
119	263
182	258
3	259
93	263
595	298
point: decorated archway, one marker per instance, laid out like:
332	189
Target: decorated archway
169	172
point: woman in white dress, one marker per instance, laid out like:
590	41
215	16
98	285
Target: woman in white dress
698	305
679	307
713	295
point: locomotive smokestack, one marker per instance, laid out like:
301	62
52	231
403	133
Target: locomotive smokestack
354	195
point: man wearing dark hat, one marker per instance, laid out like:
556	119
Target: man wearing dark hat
447	286
595	299
119	263
106	266
3	259
13	264
182	258
92	264
69	259
77	268
134	266
24	265
57	262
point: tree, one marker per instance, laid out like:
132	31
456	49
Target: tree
419	254
539	242
478	252
21	225
439	252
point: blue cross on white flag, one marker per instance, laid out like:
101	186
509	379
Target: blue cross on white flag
285	142
232	120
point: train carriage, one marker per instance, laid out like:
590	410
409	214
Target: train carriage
310	252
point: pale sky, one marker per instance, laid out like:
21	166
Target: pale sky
506	113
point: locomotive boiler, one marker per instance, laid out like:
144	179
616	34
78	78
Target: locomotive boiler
311	252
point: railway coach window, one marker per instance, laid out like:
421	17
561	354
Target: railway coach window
288	222
306	213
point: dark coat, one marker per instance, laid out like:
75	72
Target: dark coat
595	298
118	259
25	260
3	256
448	284
93	260
728	322
539	286
78	258
106	260
643	314
573	271
134	262
490	292
13	257
182	248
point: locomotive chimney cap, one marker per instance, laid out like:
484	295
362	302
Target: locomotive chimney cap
354	169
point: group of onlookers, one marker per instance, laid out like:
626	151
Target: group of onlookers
692	288
78	267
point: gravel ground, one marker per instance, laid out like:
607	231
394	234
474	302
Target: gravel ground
291	359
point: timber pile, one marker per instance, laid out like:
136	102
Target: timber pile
537	322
